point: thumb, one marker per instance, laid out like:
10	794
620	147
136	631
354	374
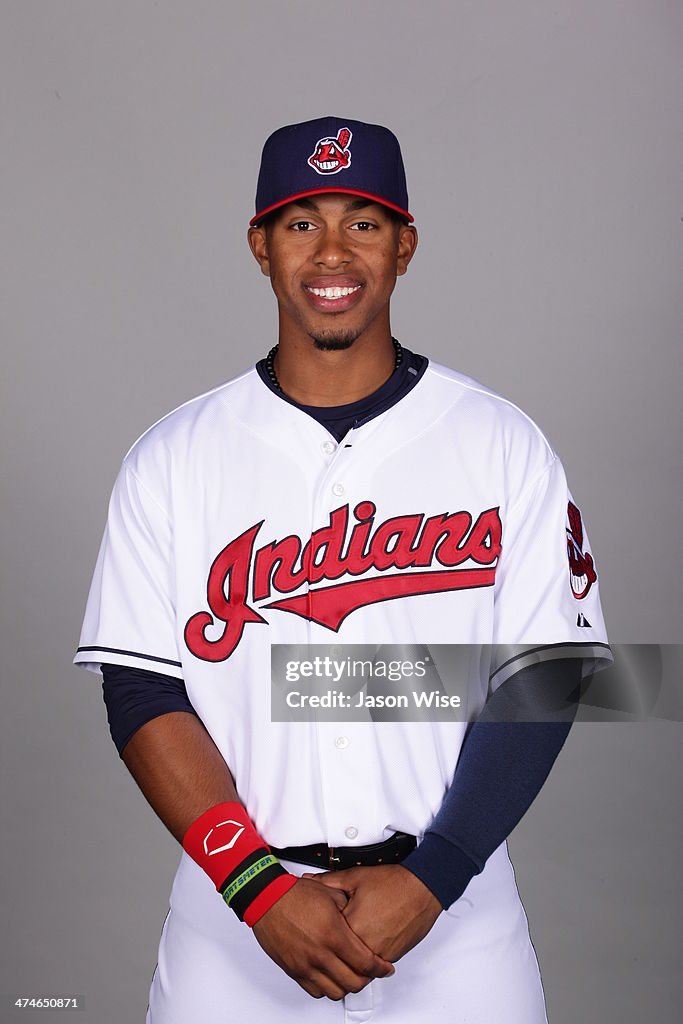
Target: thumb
333	879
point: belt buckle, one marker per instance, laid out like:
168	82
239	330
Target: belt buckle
332	859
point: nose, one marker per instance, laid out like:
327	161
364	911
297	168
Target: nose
332	250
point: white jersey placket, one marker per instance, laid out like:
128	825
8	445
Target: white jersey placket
345	753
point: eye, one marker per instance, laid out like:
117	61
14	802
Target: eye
363	225
301	225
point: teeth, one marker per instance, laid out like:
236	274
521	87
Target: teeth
334	293
327	165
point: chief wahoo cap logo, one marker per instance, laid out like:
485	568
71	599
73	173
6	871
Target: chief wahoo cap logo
332	155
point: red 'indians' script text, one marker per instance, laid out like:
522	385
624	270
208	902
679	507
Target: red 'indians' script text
404	543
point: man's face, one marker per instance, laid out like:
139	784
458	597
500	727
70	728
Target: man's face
333	262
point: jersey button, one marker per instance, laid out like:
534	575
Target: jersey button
328	447
338	489
351	832
341	742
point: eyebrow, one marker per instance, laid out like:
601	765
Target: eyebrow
354	204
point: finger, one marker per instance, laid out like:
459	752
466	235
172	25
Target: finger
360	958
328	986
338	975
334	880
307	986
339	897
371	937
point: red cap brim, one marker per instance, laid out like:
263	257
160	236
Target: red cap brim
323	191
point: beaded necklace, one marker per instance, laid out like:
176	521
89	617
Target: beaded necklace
270	362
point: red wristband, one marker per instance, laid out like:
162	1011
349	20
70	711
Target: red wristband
267	897
220	839
225	844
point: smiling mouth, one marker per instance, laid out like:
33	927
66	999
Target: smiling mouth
333	292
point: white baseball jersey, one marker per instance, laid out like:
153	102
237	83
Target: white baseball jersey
236	523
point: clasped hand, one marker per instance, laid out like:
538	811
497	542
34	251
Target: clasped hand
336	931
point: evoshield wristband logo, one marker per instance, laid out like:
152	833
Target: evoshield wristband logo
406	543
227	838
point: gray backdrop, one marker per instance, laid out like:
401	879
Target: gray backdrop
545	160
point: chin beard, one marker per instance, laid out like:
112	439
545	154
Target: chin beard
334	341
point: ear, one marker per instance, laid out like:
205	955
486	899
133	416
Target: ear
407	244
258	243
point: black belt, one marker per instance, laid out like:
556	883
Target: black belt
336	858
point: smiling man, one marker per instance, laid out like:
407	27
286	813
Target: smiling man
344	489
333	263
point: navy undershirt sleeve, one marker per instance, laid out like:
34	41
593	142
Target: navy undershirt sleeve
134	696
503	764
504	761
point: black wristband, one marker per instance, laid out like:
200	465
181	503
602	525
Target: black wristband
250	877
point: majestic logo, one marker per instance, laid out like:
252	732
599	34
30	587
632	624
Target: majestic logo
332	155
582	574
407	543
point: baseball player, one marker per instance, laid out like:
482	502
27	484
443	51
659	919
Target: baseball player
344	489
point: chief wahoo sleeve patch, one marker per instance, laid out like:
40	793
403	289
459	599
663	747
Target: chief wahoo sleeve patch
582	574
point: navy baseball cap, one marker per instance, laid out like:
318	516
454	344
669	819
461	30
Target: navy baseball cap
331	154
